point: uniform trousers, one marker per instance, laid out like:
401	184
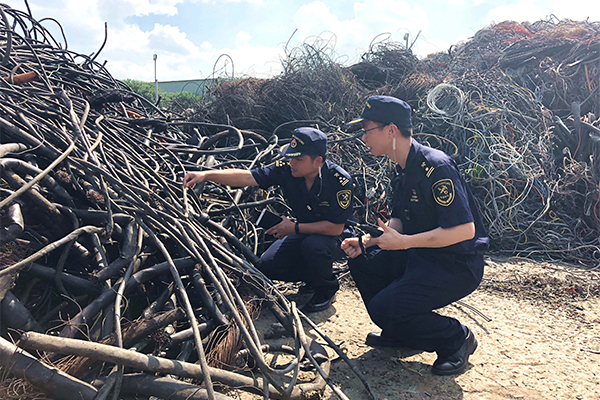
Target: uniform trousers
304	257
402	288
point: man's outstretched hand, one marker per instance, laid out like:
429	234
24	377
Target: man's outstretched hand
192	178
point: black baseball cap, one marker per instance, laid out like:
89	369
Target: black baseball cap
305	141
386	110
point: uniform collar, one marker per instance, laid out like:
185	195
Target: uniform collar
320	182
412	159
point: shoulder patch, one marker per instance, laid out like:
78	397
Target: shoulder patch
427	167
443	192
343	180
344	198
338	173
281	163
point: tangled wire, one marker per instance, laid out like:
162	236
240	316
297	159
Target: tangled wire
98	232
517	106
101	242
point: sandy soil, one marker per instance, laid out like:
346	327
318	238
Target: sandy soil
537	324
538	328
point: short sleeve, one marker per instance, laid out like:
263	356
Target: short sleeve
270	175
340	207
450	197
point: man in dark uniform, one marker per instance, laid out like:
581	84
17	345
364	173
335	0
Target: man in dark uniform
431	251
319	193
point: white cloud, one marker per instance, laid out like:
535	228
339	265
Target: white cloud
171	40
130	47
371	18
242	39
206	46
229	1
523	11
314	18
147	7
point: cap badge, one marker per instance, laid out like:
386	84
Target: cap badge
293	144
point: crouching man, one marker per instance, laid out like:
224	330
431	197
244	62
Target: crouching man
319	194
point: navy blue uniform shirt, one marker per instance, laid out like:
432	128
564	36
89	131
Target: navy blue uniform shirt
430	192
329	198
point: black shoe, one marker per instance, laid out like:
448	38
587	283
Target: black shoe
457	362
376	339
319	302
305	288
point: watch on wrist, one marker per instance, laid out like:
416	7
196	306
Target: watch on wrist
297	228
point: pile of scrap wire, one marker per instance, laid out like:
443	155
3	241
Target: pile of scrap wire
113	278
518	106
97	230
521	105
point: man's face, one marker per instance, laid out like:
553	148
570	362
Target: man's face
376	137
304	166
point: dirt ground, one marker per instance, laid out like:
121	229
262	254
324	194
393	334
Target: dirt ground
538	328
537	324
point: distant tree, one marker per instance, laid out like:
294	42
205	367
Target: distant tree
171	101
181	101
145	89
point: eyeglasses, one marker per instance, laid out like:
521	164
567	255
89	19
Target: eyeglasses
364	131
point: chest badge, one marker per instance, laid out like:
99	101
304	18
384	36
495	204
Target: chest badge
443	192
343	198
414	198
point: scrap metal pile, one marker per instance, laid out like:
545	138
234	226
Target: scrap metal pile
97	231
103	252
518	106
524	116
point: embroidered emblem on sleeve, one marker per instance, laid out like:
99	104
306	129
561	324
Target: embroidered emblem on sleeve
443	192
343	198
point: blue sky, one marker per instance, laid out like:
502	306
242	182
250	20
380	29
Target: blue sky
189	36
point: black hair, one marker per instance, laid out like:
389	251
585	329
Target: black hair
314	156
406	132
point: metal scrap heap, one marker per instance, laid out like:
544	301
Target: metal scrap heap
113	279
116	280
